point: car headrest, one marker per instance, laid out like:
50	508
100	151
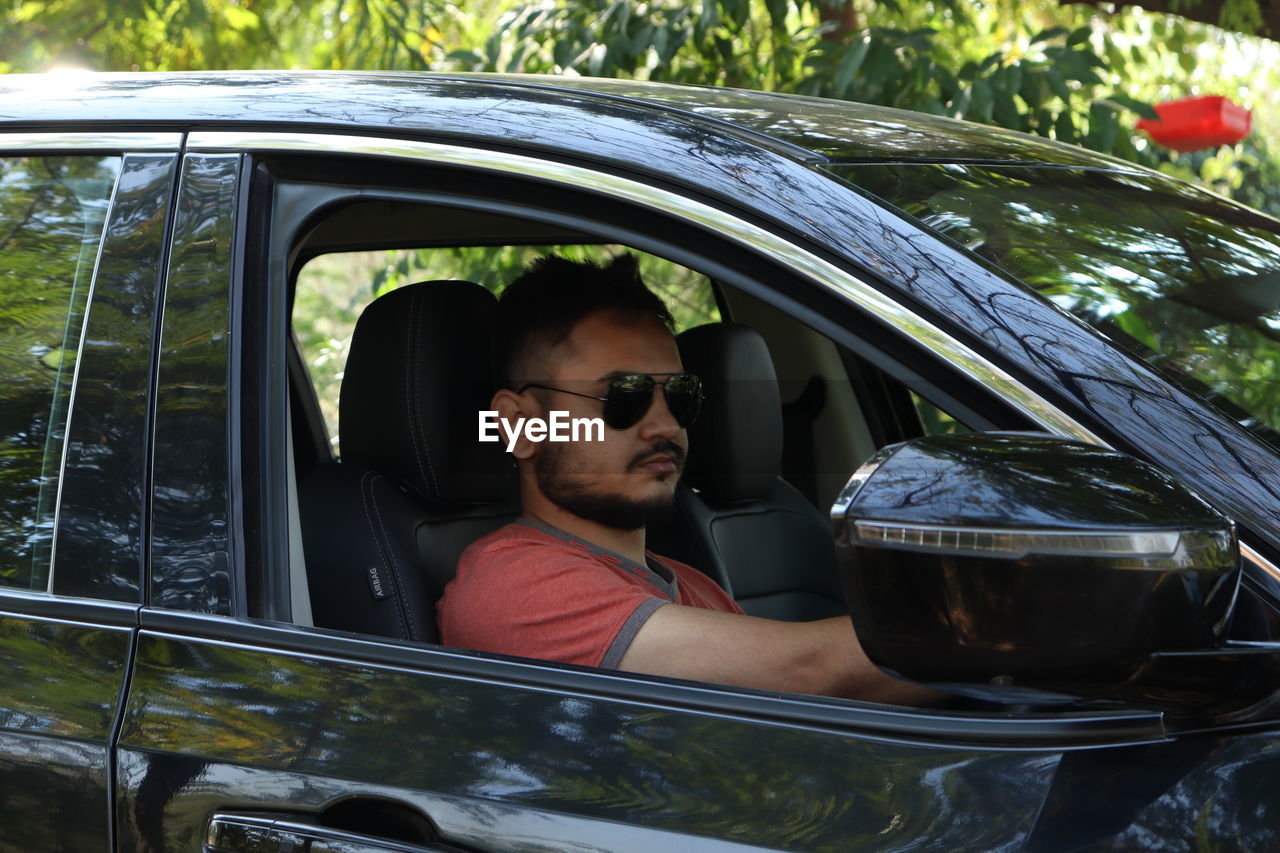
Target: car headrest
420	369
735	445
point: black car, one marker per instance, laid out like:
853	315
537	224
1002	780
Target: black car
217	629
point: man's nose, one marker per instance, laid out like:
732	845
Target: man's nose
658	422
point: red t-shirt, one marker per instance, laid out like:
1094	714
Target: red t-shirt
533	590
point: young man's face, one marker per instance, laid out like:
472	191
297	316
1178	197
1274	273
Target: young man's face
627	480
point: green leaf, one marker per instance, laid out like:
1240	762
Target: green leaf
1004	110
725	48
240	19
1133	325
990	62
1047	35
848	66
1079	36
1142	108
1076	66
1058	85
981	101
1011	79
1103	127
1034	90
777	13
1042	123
468	58
878	63
1064	129
946	82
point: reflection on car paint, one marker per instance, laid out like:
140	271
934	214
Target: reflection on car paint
191	540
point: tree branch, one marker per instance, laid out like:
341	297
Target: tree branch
1204	11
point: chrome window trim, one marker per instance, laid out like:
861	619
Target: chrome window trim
961	357
88	141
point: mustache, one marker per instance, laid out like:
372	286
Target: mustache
668	448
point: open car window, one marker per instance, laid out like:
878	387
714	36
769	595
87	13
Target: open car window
333	289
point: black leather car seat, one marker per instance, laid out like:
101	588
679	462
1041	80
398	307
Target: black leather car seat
736	519
383	528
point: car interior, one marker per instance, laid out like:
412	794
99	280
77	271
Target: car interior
390	356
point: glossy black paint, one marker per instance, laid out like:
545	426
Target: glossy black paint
100	543
235	726
839	131
62	683
578	762
958	611
1021	481
191	546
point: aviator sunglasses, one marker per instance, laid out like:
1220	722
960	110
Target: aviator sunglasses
629	398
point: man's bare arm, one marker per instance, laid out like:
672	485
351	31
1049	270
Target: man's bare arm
822	657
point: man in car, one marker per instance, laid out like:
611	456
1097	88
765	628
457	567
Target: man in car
571	580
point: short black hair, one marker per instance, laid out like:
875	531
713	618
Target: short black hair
539	308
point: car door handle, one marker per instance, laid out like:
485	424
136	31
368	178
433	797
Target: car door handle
269	832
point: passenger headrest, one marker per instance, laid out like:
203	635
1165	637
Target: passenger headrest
735	446
420	369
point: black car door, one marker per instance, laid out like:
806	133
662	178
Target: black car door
82	220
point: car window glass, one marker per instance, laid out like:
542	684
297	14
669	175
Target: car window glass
1185	280
52	211
333	289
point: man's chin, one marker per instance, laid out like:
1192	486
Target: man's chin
613	511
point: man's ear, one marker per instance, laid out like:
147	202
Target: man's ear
514	410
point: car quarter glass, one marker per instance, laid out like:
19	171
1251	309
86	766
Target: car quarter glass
52	213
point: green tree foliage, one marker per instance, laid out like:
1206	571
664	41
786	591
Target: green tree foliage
1253	17
181	35
1165	58
1052	84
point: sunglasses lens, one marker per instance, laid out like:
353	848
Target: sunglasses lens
684	397
627	400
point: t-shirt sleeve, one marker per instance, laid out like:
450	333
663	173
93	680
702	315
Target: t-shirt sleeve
552	601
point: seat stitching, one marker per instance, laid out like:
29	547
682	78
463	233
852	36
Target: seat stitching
388	556
416	419
410	412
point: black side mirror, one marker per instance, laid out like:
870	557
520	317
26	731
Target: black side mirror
1031	563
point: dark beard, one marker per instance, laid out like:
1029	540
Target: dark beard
575	494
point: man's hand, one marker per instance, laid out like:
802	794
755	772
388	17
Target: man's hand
822	657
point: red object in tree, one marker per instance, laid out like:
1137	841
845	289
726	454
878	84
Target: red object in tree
1206	121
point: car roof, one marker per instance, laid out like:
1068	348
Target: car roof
812	129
